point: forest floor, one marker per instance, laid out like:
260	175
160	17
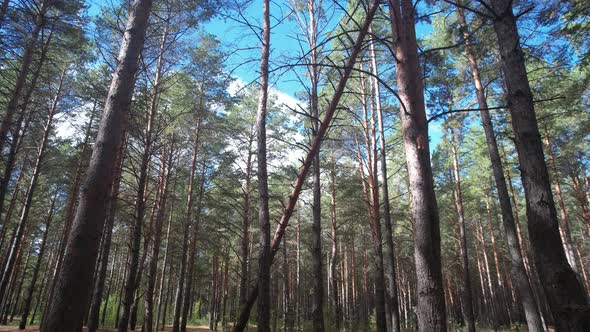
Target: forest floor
36	329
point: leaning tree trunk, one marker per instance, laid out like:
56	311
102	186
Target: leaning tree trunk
74	280
69	213
430	309
28	203
314	148
564	291
31	290
133	277
467	296
96	299
533	318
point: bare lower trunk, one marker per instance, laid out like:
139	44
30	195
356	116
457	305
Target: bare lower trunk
265	258
467	297
517	266
430	308
317	313
108	291
562	288
164	274
148	322
7	225
513	240
334	257
73	283
298	267
96	299
188	295
245	241
31	290
69	214
186	225
390	276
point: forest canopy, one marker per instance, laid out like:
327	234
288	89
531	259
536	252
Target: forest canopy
297	165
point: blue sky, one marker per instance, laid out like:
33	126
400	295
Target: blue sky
284	46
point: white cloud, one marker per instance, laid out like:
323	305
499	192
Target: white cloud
71	125
290	156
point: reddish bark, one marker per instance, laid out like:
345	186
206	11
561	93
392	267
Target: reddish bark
74	280
314	148
430	308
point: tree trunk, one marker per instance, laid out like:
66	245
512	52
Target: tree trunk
246	226
317	294
96	299
19	84
148	322
517	266
168	292
111	282
192	253
391	279
564	228
298	267
17	278
334	257
562	288
22	125
314	147
13	200
120	287
69	214
264	262
186	226
15	245
286	289
44	285
467	297
430	292
129	314
582	198
166	258
375	217
73	283
31	290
